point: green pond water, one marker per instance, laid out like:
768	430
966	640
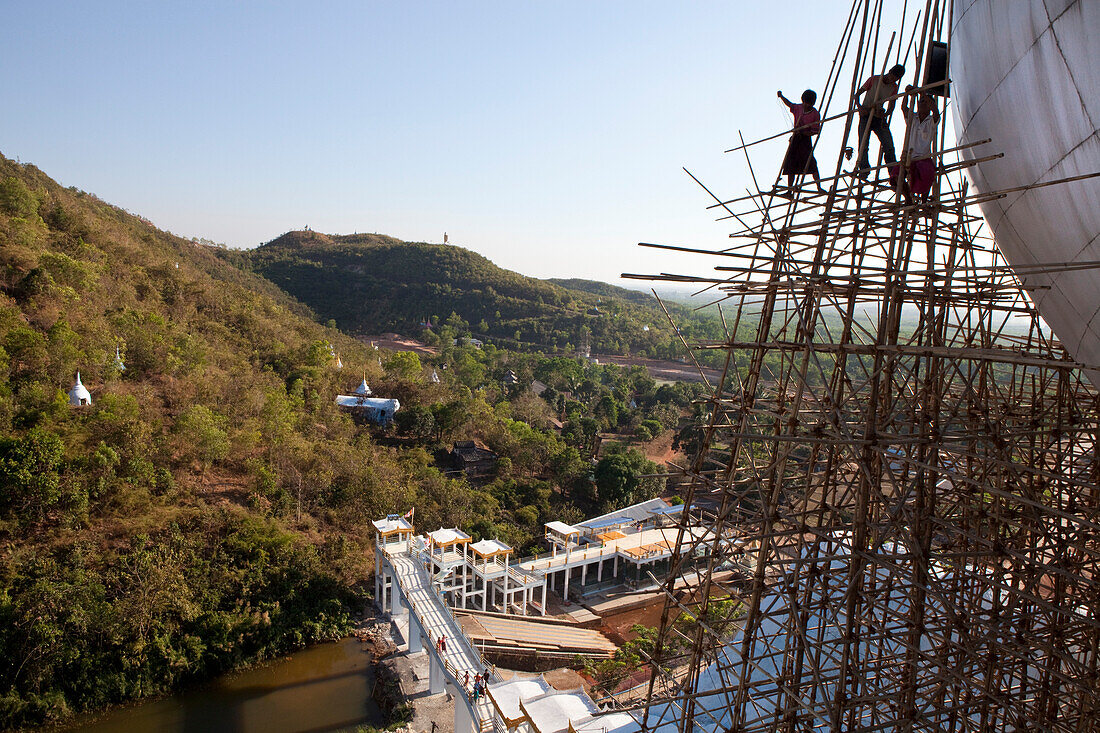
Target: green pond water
324	688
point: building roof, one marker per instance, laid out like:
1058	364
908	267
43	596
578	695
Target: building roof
378	403
674	509
489	548
562	528
593	524
553	712
634	513
389	525
506	696
79	394
443	537
469	451
617	722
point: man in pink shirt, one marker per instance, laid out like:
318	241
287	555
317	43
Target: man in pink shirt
799	159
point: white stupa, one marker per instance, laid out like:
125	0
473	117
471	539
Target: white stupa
79	396
118	362
339	363
435	377
363	389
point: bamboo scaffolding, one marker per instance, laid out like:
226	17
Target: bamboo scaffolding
900	470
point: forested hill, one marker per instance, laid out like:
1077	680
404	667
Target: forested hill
603	290
368	283
209	508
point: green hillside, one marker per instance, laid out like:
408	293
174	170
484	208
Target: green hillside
208	509
368	283
603	290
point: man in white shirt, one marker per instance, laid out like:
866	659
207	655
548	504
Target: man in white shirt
917	168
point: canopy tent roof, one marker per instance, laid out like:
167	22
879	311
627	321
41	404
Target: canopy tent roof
562	528
389	525
490	548
447	537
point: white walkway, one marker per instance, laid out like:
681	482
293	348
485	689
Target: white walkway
432	619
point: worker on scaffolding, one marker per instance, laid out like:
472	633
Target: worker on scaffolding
799	159
875	109
917	170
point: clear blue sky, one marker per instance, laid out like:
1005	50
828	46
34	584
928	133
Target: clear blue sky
547	136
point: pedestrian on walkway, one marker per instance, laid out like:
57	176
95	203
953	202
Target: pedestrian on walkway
443	643
466	680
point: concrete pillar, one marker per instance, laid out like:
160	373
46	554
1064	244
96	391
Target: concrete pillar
599	570
436	678
565	587
544	597
395	602
615	568
484	594
378	577
584	575
415	635
523	605
464	718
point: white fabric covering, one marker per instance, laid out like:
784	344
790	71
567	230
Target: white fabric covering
1026	75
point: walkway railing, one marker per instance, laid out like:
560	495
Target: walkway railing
415	581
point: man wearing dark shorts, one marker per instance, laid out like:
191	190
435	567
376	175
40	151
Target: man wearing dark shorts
874	116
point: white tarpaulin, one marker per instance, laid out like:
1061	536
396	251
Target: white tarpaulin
1026	75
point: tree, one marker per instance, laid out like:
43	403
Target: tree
405	364
205	440
30	470
416	421
16	199
619	479
449	416
607	409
